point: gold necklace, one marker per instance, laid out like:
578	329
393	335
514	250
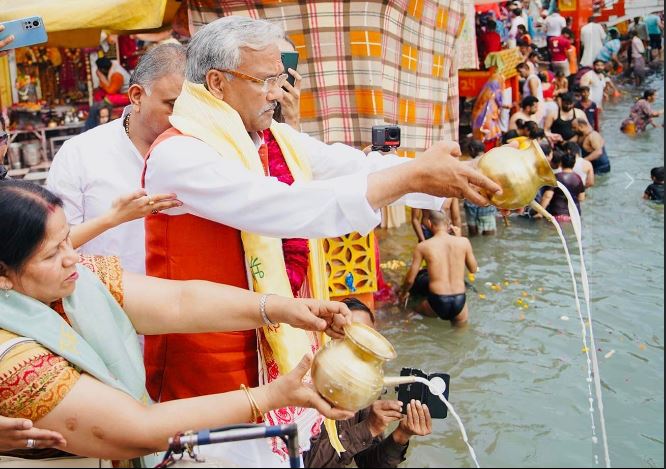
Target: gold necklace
126	124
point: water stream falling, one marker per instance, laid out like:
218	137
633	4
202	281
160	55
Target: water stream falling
577	226
437	386
586	348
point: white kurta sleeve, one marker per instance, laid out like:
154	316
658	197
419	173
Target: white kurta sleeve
336	160
64	180
222	190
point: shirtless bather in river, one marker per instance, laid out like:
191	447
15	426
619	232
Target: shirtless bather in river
443	282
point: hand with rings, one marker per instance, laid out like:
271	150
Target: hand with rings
16	433
139	204
151	202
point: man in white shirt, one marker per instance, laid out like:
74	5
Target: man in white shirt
348	190
592	37
95	168
554	23
539	39
596	80
532	85
637	58
225	159
516	20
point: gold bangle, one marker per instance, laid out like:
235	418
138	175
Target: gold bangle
257	414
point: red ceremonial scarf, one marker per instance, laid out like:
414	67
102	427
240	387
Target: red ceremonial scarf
296	250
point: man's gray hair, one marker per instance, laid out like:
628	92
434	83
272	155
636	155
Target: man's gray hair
218	44
160	61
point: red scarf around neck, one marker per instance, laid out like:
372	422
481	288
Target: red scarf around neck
296	250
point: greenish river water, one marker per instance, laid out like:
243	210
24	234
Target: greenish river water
518	375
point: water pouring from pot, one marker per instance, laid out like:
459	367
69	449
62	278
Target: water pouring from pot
521	171
349	373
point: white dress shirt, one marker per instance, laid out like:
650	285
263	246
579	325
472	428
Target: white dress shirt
221	189
89	172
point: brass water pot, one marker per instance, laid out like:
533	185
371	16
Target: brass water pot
349	372
519	172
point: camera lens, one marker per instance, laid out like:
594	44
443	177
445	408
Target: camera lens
35	23
393	134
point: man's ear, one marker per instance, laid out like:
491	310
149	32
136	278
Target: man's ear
135	94
216	83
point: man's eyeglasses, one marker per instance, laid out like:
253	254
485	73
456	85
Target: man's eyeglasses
4	137
266	85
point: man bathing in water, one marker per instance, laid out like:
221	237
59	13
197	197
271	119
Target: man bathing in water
443	282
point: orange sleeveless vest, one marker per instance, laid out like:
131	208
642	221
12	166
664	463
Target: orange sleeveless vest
186	247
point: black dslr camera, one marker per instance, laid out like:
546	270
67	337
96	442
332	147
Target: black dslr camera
385	137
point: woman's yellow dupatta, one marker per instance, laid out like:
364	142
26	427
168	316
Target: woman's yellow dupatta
199	114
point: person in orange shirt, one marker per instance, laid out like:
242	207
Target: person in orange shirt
572	57
113	82
523	35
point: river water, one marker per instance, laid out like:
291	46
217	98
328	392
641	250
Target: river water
518	371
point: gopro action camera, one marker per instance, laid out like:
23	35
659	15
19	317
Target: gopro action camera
385	137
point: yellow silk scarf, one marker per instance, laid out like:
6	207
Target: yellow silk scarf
201	115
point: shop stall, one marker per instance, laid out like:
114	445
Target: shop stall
46	90
49	103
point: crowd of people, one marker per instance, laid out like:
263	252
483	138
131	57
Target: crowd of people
215	197
562	96
563	91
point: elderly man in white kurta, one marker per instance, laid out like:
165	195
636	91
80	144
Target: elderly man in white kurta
257	196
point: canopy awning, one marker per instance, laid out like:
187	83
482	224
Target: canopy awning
77	23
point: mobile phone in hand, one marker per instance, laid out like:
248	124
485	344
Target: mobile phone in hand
420	392
26	31
290	61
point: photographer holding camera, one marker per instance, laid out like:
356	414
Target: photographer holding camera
363	435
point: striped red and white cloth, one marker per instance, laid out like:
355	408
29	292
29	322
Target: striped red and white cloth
366	63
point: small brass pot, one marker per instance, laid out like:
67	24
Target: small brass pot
349	372
520	172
